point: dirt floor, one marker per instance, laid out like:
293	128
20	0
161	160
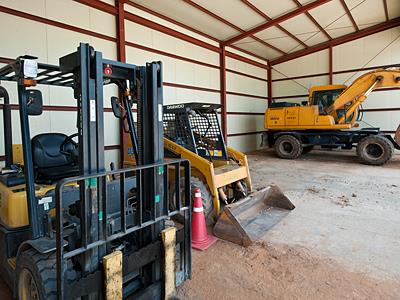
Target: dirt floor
341	241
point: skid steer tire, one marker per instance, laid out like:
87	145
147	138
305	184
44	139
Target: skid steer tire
206	197
36	275
288	147
375	150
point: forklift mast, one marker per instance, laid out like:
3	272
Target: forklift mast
131	209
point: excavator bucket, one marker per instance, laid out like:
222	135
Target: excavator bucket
247	220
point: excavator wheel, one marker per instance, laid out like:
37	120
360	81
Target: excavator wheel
288	147
375	150
36	275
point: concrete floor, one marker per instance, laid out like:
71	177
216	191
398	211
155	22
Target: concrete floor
345	211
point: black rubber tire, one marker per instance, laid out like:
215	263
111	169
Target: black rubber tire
42	269
375	150
288	147
307	149
206	196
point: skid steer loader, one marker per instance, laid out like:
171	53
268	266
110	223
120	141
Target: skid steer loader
69	229
192	131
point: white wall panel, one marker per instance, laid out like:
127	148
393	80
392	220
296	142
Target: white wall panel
245	123
245	143
243	67
310	64
361	52
383	99
245	104
384	120
36	7
155	39
242	84
21	36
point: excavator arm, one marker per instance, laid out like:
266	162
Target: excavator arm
355	94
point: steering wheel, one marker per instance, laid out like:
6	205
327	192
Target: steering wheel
71	153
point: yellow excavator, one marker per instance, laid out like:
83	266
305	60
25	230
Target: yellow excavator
329	118
192	131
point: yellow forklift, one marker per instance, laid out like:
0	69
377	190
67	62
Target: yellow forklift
329	118
69	229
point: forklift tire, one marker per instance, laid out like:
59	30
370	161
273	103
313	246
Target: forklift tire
375	150
288	147
36	275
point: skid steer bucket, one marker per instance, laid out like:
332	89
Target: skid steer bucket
247	220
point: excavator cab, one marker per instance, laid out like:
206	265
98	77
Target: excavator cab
324	96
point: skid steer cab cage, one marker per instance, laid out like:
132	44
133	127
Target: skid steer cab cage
131	219
195	126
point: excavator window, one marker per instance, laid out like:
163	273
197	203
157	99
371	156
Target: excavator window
325	98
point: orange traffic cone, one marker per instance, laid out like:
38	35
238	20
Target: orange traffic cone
200	239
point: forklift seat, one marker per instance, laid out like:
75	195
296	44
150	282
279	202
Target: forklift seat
49	163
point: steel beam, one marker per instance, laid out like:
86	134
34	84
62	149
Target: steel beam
348	12
100	5
226	22
265	16
222	57
312	19
385	7
276	21
340	40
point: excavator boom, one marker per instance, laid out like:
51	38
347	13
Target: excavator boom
355	94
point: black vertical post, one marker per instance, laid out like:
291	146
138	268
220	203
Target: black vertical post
7	127
91	145
150	138
28	164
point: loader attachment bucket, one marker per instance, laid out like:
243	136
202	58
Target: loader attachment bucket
247	220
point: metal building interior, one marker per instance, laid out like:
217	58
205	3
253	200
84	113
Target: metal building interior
280	117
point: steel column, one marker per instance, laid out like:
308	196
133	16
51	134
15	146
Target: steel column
222	57
330	65
269	78
121	54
